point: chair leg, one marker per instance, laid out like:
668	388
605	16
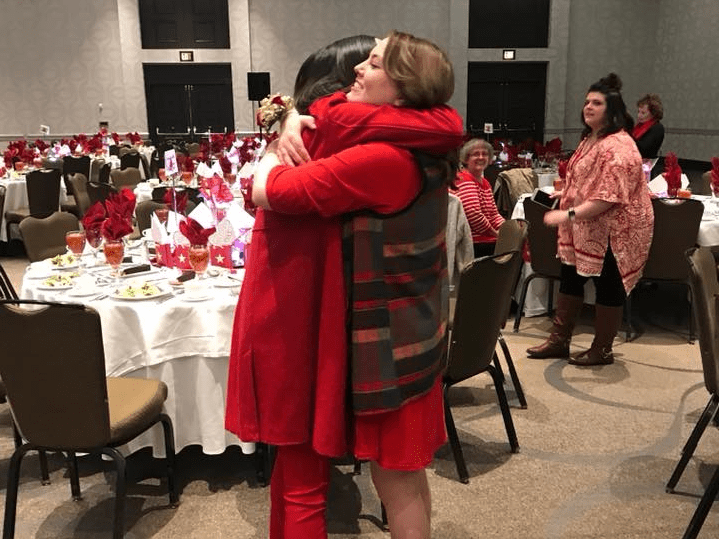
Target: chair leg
691	316
550	298
628	313
42	455
504	407
513	372
454	440
74	476
357	470
265	459
120	490
705	504
691	444
495	360
13	480
169	434
522	299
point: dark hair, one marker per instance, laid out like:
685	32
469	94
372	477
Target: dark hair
331	68
654	104
616	115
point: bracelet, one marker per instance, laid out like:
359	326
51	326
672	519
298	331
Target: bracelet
571	214
273	108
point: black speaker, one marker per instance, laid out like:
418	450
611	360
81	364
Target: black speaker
258	85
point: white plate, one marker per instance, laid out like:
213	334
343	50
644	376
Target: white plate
163	292
226	282
185	297
38	273
81	293
58	288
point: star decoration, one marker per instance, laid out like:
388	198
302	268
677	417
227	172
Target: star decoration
219	259
181	258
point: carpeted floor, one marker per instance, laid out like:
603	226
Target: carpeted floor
597	447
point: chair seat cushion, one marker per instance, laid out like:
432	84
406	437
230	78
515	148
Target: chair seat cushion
134	403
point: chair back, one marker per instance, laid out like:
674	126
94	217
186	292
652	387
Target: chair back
510	185
542	240
703	185
144	211
511	236
53	368
45	238
98	192
485	286
95	166
72	164
129	159
3	191
128	177
7	290
705	289
79	187
676	226
43	191
103	175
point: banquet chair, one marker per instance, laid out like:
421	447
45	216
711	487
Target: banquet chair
483	285
45	238
43	195
103	176
63	401
703	185
512	236
128	177
82	198
98	192
144	211
510	184
542	254
676	226
72	164
705	287
95	167
129	159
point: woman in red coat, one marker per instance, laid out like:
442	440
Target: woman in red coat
288	367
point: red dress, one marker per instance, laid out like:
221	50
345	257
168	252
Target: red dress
288	363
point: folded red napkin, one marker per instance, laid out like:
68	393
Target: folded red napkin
180	202
216	190
226	165
120	207
554	145
115	227
94	216
672	172
715	174
194	232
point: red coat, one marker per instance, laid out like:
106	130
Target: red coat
288	363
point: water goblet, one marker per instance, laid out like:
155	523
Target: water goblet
199	256
114	252
94	239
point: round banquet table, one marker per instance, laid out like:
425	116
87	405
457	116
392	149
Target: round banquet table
184	343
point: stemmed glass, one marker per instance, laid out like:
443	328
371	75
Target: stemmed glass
114	252
162	214
94	239
199	256
75	240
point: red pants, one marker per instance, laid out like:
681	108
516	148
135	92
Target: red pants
298	493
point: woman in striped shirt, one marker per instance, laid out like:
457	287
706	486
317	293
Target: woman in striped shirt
476	195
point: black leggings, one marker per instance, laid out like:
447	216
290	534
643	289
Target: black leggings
609	286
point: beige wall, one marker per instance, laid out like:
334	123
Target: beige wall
80	53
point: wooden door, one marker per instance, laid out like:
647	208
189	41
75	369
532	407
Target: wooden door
509	96
187	102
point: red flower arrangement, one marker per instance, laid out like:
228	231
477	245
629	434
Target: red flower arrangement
119	208
672	173
134	138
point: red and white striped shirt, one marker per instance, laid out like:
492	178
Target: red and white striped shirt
479	206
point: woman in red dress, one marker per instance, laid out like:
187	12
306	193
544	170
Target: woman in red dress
288	366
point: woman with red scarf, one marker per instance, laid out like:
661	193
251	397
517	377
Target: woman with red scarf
648	133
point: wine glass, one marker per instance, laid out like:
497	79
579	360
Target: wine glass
75	240
199	256
94	239
114	252
162	214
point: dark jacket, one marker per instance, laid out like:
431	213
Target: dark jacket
651	141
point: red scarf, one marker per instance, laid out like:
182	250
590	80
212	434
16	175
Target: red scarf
640	129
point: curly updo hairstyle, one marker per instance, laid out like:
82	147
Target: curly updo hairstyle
616	115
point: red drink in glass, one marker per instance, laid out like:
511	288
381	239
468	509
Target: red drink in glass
75	241
199	258
114	251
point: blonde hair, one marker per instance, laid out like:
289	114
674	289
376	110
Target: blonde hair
422	71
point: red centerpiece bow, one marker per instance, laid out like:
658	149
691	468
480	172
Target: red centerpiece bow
194	232
119	209
672	173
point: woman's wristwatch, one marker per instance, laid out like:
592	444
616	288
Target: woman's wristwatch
571	214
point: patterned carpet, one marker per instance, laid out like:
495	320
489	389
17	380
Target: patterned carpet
597	447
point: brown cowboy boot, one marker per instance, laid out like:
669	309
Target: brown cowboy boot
557	345
606	325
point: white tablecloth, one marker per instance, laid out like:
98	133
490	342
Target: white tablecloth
185	344
536	301
16	198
